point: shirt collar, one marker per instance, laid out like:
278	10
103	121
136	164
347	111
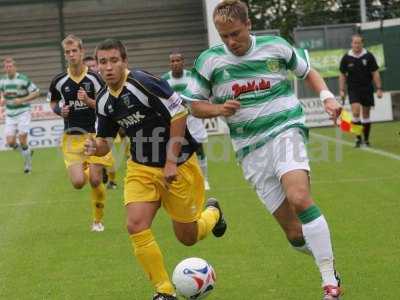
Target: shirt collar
351	53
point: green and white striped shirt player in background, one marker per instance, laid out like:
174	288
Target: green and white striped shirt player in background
16	92
178	78
246	80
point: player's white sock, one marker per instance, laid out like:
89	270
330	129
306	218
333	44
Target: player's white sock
317	236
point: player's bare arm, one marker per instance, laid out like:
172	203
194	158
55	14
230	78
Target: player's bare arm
83	96
318	85
28	98
205	109
177	132
378	83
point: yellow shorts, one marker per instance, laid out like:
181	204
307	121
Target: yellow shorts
73	149
184	199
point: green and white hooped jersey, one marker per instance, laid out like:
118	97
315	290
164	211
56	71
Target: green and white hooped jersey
259	80
178	84
195	125
17	87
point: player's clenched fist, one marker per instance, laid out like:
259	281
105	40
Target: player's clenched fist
82	95
229	108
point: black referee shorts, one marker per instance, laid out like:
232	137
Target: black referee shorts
365	97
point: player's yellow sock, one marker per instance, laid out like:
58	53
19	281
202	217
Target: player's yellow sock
207	221
147	251
98	199
112	176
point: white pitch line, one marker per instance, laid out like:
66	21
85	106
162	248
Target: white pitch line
366	149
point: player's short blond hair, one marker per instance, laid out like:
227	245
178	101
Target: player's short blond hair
231	10
72	39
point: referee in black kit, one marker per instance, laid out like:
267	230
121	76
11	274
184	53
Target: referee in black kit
358	69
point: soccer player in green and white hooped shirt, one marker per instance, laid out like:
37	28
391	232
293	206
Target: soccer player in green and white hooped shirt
246	80
178	78
16	92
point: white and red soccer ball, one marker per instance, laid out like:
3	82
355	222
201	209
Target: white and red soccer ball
194	278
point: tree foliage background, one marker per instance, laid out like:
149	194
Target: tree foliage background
285	15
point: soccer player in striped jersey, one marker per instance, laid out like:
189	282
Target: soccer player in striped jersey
246	79
178	78
71	96
162	171
16	92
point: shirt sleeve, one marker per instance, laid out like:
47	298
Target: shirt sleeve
97	81
297	59
343	65
372	64
31	87
299	62
198	88
166	101
53	95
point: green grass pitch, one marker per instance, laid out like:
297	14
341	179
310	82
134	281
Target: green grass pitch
48	252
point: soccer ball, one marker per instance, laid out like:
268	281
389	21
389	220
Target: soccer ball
194	278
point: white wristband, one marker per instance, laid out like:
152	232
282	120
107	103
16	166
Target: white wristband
325	94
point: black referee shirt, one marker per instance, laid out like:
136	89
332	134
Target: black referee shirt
358	69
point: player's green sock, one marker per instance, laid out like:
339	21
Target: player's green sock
147	251
209	217
98	199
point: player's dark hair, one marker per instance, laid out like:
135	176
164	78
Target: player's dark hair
88	58
176	52
110	44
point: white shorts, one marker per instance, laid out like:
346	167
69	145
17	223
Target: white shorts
265	166
197	129
19	123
